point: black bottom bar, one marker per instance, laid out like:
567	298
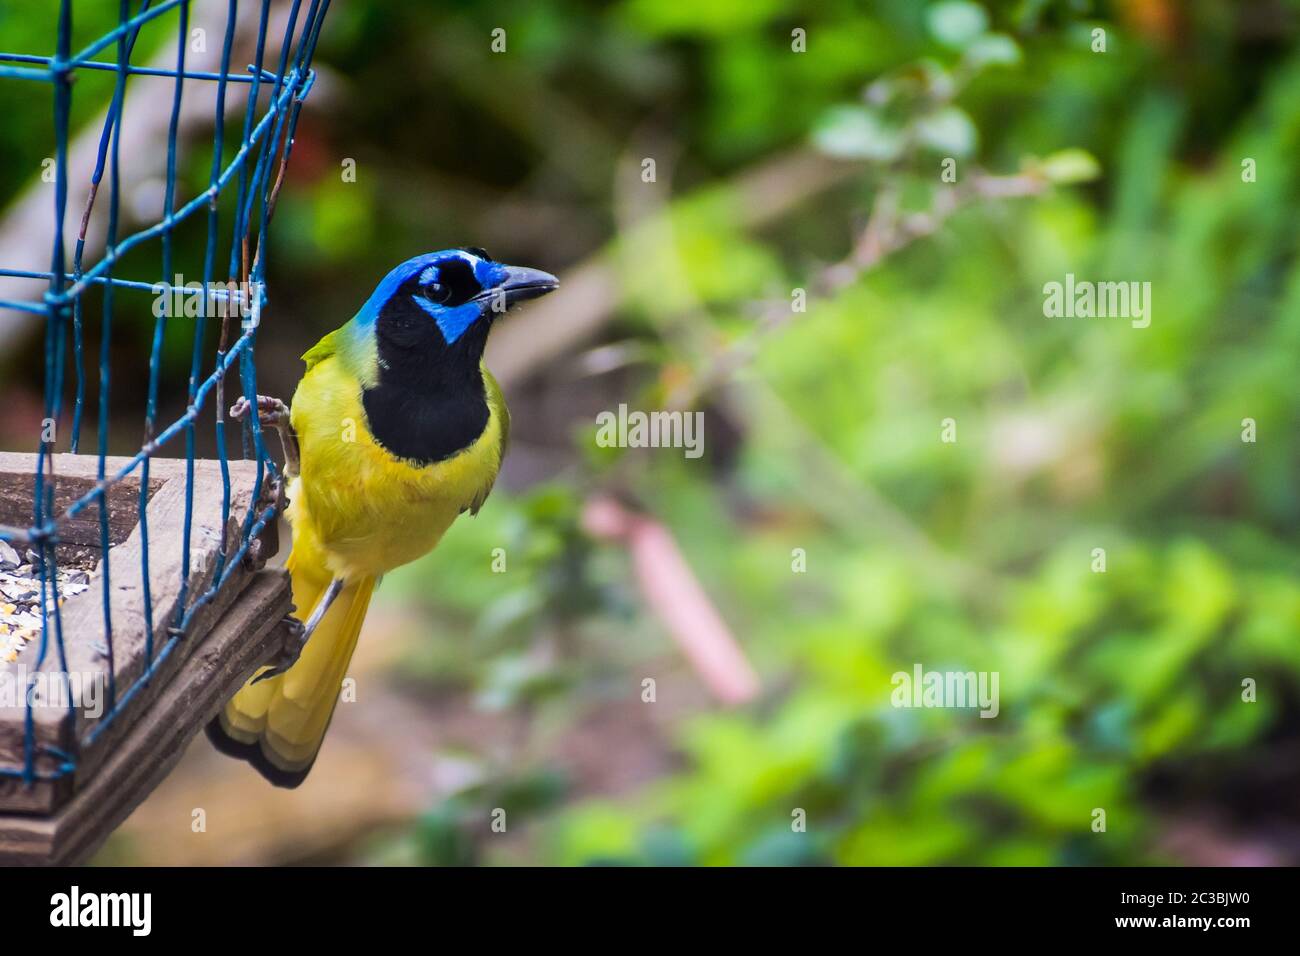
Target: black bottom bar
980	906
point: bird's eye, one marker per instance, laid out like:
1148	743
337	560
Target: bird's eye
451	284
437	292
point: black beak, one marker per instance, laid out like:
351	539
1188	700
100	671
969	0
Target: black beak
521	284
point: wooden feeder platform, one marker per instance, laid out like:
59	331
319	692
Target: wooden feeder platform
64	820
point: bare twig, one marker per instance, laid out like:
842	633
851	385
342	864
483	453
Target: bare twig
589	296
886	232
675	596
832	488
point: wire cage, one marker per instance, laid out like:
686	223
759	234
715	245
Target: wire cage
145	591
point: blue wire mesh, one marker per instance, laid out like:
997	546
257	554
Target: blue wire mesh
274	98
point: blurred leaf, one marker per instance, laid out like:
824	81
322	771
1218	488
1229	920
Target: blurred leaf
948	131
855	132
667	846
718	17
532	793
956	23
443	838
1070	166
518	679
992	49
781	846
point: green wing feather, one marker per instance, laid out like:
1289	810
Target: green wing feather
497	401
323	349
497	397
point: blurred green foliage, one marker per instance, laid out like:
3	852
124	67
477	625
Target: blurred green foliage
1120	690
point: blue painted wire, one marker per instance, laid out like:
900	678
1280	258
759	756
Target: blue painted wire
128	69
266	140
124	44
43	492
195	204
160	328
196	357
110	120
109	38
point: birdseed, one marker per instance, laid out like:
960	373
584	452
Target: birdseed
20	601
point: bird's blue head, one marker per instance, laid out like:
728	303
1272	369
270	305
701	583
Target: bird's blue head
422	334
457	292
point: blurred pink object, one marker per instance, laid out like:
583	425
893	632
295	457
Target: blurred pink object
676	598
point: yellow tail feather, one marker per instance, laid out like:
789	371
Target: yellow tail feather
283	719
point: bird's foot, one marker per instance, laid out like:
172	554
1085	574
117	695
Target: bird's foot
301	633
272	413
290	651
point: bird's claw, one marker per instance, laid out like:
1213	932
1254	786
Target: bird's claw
300	633
290	651
272	413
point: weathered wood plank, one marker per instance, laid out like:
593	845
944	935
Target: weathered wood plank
247	636
17	491
86	635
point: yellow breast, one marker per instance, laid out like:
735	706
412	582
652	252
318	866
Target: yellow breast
355	509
